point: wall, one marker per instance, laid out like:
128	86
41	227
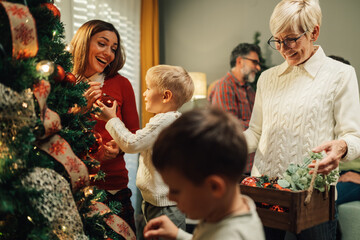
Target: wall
200	34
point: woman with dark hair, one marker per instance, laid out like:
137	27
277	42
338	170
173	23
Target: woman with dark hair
98	55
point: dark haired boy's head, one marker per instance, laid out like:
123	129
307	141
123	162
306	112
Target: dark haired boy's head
200	143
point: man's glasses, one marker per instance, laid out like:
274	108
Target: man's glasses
288	42
256	62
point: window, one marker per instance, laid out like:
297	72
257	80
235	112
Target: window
123	14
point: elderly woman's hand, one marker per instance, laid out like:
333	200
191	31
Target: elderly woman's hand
335	150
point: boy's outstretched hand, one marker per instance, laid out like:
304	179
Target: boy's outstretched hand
160	227
106	113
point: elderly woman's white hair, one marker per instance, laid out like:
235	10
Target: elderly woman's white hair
295	16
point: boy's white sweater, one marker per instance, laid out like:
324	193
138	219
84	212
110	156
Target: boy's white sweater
148	180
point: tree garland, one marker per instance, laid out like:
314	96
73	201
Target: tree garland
20	155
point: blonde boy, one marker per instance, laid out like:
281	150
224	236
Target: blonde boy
201	156
168	88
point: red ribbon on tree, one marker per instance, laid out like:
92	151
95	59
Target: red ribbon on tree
115	222
59	149
56	146
23	30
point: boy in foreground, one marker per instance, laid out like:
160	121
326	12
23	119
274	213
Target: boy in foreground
201	157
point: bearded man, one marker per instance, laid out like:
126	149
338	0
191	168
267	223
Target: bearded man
233	92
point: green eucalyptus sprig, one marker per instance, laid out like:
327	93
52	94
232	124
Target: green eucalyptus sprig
297	177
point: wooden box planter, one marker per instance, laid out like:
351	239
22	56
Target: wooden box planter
299	216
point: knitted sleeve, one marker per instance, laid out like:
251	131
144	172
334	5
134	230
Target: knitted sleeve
253	133
347	113
142	139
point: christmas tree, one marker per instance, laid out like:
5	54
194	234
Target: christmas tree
263	65
45	148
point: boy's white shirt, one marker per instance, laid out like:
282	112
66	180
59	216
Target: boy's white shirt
244	226
148	180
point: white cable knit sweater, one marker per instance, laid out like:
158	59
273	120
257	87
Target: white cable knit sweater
300	107
148	180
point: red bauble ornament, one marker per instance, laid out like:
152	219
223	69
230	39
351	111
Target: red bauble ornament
52	8
60	75
97	144
107	100
70	78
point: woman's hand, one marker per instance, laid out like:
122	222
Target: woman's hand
111	150
160	227
92	94
335	150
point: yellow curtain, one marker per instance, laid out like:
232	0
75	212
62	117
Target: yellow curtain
149	46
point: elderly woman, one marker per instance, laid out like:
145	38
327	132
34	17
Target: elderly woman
308	103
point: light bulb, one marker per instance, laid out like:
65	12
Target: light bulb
68	48
45	67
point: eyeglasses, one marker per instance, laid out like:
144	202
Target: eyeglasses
288	42
256	62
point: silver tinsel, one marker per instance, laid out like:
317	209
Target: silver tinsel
56	203
16	111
